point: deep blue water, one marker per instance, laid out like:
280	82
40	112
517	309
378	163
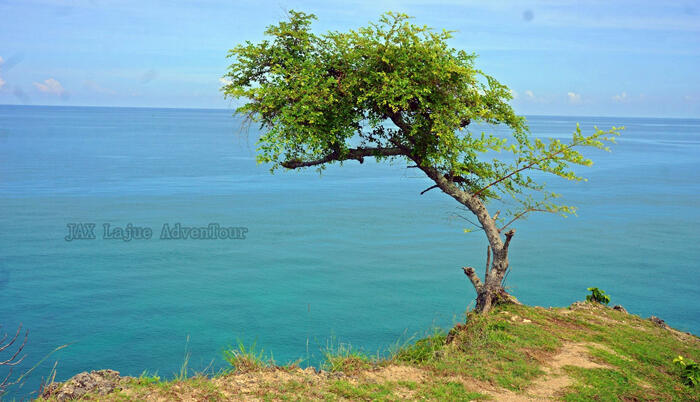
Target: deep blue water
355	255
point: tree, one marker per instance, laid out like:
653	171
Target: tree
395	90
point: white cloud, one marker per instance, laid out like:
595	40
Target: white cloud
574	97
1	60
50	86
514	94
622	97
529	94
225	81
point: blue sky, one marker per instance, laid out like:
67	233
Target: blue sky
609	58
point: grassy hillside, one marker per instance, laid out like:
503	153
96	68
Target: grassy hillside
581	353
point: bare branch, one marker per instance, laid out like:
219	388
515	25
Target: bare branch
488	259
7	345
509	235
352	154
520	215
5	382
13	360
428	189
470	221
474	278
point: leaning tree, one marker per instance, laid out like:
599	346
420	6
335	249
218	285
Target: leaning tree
395	90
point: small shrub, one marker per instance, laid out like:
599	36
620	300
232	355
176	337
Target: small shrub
245	359
597	296
147	379
345	358
690	371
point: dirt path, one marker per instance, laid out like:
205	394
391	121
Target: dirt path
554	381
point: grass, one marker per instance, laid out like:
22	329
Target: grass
507	353
244	359
347	359
421	351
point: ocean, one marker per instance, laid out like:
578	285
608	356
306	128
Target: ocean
354	255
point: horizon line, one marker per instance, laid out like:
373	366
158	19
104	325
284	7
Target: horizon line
221	109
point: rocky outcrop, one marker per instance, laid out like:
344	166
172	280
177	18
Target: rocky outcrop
659	322
99	382
620	309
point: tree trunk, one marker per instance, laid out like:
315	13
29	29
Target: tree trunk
491	291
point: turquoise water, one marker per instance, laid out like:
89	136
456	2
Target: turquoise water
356	254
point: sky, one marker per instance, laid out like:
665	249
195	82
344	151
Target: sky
563	57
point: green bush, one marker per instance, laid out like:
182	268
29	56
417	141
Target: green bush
597	296
246	359
690	371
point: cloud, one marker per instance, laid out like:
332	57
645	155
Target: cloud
530	94
574	97
1	60
514	94
225	81
51	86
622	97
2	82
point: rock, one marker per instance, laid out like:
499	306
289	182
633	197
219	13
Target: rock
100	382
620	309
526	321
659	322
310	370
579	305
453	333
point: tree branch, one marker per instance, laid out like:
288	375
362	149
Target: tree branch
12	361
474	278
530	165
473	204
520	215
470	221
488	260
358	154
509	235
428	189
454	179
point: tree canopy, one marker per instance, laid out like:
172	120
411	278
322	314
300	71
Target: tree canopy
391	90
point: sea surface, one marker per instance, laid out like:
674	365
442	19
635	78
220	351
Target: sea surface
351	256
